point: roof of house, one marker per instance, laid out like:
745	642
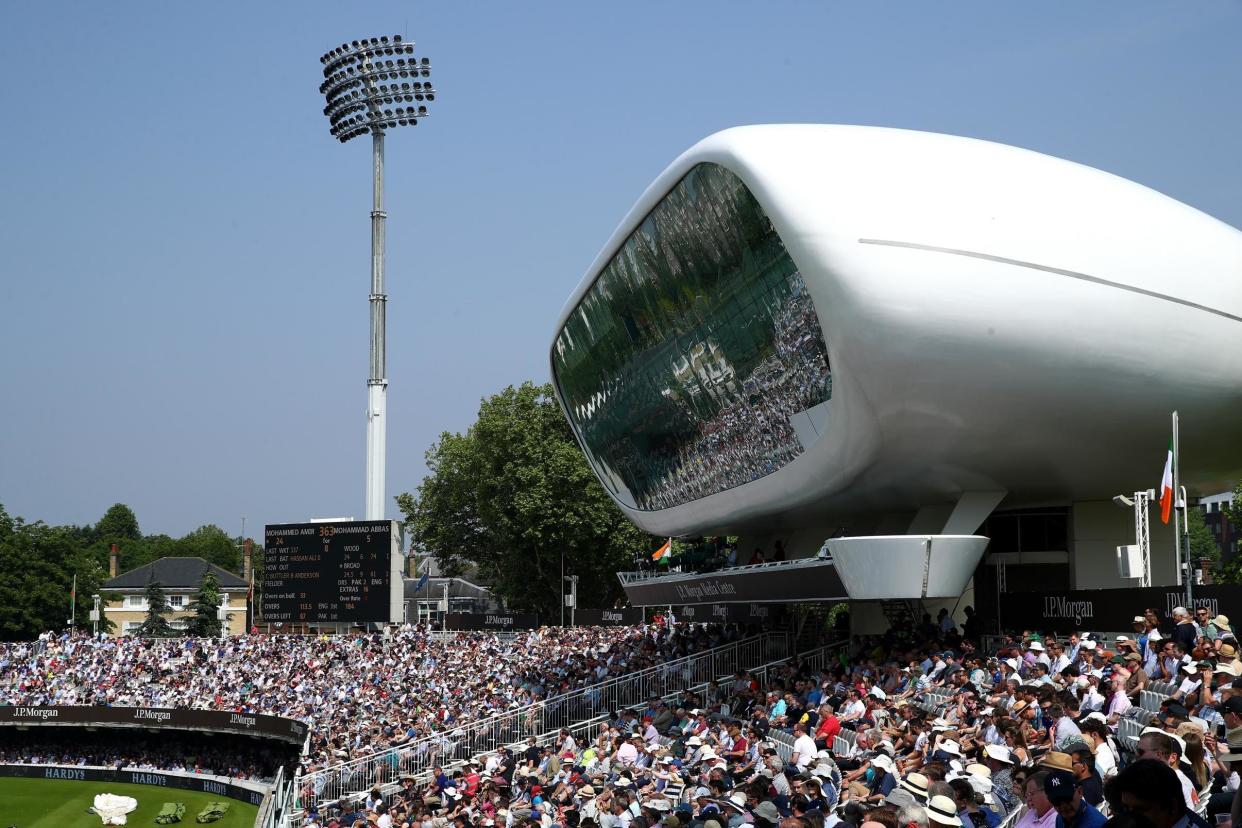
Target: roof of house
174	573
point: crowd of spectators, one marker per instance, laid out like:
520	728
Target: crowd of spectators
749	435
358	693
917	729
247	759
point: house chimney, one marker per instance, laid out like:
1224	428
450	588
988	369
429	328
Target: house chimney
114	557
247	555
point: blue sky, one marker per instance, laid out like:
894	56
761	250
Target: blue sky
184	248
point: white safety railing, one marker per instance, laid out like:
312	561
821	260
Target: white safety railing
272	813
585	731
356	776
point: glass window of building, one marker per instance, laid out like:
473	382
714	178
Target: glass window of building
695	362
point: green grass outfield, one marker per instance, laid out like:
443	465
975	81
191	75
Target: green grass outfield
35	803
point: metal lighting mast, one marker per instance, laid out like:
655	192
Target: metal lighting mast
368	85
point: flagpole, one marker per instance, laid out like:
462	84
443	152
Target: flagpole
1181	528
1177	537
73	600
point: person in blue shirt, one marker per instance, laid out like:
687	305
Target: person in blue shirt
1073	811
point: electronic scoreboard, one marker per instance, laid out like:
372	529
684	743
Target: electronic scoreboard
332	572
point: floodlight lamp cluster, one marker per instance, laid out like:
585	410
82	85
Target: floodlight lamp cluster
367	84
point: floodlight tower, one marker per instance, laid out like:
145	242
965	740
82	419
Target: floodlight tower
367	85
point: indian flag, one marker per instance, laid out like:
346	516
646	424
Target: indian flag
662	555
1166	486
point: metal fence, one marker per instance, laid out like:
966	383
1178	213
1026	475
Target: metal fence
586	730
273	811
545	717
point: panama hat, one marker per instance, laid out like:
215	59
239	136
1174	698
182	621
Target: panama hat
915	783
943	810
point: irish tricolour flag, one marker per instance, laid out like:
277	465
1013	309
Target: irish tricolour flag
661	555
1166	486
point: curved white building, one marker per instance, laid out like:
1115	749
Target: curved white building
799	327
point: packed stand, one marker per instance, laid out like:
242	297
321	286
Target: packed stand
244	759
917	729
359	694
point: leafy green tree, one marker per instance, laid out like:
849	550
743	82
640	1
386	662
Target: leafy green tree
204	623
156	624
38	562
212	544
512	495
118	524
1234	510
1203	546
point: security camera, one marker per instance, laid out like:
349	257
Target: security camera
1123	501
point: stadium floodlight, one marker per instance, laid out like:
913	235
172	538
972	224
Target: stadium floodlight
359	93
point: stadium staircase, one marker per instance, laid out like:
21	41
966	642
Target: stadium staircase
904	614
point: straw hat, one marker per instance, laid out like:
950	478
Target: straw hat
1056	760
943	810
915	783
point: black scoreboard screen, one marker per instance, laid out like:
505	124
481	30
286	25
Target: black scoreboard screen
341	571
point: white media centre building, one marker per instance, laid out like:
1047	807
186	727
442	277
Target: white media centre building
947	353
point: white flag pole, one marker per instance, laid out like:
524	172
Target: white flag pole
1177	535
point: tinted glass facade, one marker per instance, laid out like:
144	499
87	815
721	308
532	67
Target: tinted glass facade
695	362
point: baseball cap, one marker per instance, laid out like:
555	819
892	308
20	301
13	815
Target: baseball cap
1060	786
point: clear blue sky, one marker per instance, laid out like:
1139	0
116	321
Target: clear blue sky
184	249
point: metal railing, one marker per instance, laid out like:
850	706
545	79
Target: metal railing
272	812
512	727
647	575
585	731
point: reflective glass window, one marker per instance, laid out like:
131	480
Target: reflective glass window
695	362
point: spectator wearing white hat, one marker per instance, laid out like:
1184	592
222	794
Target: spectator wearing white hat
1153	643
999	761
1039	653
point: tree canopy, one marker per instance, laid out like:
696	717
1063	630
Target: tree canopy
511	496
39	562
